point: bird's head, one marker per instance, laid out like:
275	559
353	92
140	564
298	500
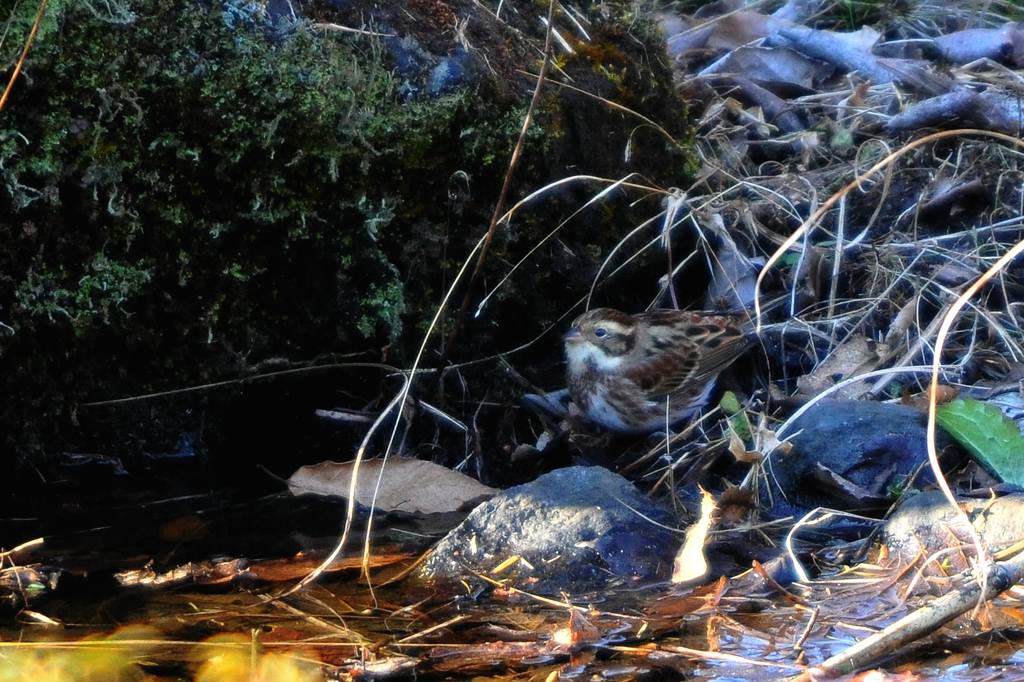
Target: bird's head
600	338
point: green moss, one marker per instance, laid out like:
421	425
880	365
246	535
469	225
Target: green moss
215	145
195	183
385	304
490	141
186	190
100	293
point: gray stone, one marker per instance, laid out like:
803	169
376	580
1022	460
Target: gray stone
578	528
926	523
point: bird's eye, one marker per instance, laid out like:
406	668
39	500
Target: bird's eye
600	332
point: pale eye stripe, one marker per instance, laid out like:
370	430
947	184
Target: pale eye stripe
613	327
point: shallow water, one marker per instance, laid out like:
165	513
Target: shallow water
199	577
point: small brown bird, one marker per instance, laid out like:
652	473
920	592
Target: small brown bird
635	373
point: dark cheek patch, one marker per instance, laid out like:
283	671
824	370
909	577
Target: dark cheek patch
619	344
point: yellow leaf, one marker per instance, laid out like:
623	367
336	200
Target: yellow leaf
690	564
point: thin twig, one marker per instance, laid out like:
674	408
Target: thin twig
933	398
506	186
24	53
1000	577
240	381
853	184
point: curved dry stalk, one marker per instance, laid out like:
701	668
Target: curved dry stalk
676	200
620	244
1013	224
933	397
875	301
837	258
671	276
808	520
886	184
400	401
919	573
917	347
613	105
947	321
748	480
20	548
401	406
350	511
768	193
623	182
24	52
914	625
853	184
243	380
1012	346
1000	577
506	186
910	369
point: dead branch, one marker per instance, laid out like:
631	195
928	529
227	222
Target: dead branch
922	622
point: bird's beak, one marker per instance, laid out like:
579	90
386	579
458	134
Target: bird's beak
572	335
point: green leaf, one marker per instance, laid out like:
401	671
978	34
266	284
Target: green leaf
730	404
991	437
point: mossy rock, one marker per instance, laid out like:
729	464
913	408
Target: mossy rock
192	189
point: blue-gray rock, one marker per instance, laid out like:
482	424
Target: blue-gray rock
580	528
873	446
424	73
451	73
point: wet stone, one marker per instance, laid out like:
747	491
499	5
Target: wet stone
576	529
873	448
926	523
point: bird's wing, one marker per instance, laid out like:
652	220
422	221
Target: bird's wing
685	348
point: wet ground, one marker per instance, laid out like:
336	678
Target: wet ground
191	588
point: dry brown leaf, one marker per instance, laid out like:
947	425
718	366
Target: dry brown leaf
768	442
945	394
741	28
734	506
579	630
410	485
859	96
855	356
725	33
740	452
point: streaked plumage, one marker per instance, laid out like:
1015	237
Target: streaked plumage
622	368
